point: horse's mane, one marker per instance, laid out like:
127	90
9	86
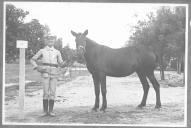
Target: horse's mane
90	41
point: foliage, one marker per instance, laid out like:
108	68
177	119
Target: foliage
33	32
16	29
14	19
164	33
68	54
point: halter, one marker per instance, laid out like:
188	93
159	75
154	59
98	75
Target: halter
82	47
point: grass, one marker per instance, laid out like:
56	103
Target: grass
12	76
12	73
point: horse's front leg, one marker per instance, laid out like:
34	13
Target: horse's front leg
103	91
97	91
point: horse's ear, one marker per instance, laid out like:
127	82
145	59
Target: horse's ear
73	33
85	33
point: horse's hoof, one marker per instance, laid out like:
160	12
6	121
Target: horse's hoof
103	109
157	106
141	106
94	109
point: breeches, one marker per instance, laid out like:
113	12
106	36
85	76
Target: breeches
49	88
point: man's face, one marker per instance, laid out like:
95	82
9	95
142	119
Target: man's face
50	43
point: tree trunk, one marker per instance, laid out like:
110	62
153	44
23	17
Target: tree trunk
162	68
162	73
184	69
179	64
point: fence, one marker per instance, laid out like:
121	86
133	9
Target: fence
72	72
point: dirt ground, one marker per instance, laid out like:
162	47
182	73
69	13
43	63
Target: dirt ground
76	98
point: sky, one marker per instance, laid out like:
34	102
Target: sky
107	23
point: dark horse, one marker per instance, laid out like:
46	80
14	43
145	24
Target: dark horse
102	61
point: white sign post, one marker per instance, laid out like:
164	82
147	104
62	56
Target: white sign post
21	45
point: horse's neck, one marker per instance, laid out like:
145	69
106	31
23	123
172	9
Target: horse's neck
90	44
91	47
89	41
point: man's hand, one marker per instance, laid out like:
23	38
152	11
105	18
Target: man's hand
40	69
64	64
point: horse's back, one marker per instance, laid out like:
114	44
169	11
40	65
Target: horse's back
119	62
124	61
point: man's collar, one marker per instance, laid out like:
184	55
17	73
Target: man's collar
49	48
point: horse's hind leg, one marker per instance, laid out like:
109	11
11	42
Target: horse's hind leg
103	91
97	91
145	85
156	87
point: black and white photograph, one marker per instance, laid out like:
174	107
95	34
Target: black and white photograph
95	64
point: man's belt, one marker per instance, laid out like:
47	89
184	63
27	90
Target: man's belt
51	65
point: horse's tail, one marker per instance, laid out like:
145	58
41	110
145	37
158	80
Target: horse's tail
157	59
157	56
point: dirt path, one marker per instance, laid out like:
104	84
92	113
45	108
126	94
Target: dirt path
76	98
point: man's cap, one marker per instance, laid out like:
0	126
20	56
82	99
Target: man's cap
50	38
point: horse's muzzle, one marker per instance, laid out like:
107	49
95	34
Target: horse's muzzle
81	50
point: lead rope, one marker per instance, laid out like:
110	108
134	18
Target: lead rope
83	47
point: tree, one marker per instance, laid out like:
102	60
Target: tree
69	55
34	33
14	19
180	36
58	44
164	32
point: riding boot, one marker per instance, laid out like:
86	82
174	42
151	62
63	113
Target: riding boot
45	107
51	105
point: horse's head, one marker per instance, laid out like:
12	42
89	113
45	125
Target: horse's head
80	44
80	40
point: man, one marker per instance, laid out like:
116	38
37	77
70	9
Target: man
51	59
